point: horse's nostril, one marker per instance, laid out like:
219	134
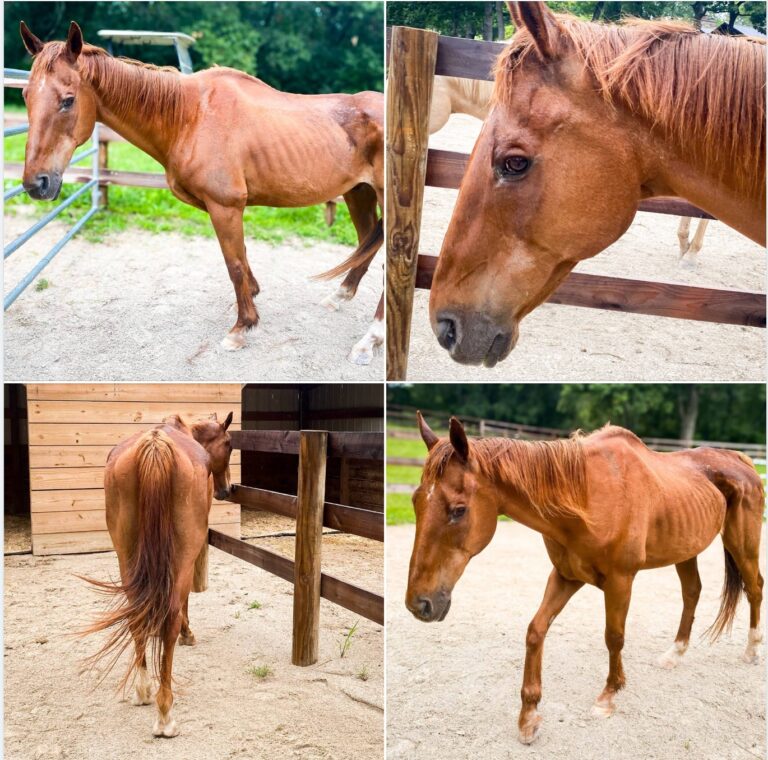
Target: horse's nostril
446	333
43	182
425	607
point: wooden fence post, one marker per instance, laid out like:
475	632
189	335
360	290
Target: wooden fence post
313	446
103	163
409	98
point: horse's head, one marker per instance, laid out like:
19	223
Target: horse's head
61	110
554	178
212	435
455	519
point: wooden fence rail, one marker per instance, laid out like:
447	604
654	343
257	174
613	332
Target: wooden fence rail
415	56
311	512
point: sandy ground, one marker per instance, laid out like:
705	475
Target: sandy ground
140	307
17	534
578	344
453	687
323	711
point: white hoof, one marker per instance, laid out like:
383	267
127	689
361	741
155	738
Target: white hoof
752	653
168	728
330	303
233	342
360	356
603	709
673	656
142	698
334	300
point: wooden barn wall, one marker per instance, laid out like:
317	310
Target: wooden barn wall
72	428
346	407
16	451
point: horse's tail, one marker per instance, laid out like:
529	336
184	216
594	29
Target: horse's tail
362	255
142	600
733	585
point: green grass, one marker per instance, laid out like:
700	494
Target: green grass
399	509
260	671
397	473
158	211
346	641
42	284
254	605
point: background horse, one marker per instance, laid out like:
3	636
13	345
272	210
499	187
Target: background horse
225	139
158	490
607	507
587	120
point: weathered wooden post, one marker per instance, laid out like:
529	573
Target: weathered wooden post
313	446
103	162
409	98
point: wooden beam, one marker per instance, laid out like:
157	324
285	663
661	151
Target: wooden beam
107	177
445	168
409	99
358	600
661	299
352	445
365	523
309	544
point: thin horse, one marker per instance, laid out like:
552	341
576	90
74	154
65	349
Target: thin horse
158	490
607	507
225	139
586	121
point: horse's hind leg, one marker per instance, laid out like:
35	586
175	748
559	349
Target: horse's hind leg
186	637
361	202
143	693
228	223
559	590
690	582
362	351
165	725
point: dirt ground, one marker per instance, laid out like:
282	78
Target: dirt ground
323	711
453	687
17	534
580	344
141	307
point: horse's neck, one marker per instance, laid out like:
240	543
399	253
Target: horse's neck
678	176
153	133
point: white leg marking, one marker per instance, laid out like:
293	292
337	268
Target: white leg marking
673	656
603	707
362	351
143	694
334	300
233	341
752	652
165	727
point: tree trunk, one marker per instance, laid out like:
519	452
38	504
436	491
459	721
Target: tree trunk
488	21
598	11
688	406
500	20
699	11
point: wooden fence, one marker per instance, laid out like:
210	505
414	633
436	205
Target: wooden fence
312	513
415	56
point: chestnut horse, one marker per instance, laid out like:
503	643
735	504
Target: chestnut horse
158	489
225	139
607	507
586	121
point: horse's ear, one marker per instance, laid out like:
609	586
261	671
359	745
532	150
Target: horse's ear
540	23
227	422
459	439
429	438
74	41
32	43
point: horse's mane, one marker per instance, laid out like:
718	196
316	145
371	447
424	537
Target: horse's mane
128	86
698	89
551	475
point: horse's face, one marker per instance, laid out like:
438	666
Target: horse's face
553	179
212	435
455	519
61	110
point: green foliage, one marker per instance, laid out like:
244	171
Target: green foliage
260	671
346	641
399	509
727	412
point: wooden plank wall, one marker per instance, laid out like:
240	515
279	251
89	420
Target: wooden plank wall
72	428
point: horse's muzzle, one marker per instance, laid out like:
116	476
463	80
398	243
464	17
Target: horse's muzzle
430	609
222	494
474	338
44	187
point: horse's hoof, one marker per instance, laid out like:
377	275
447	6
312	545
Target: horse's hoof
603	709
530	732
331	303
140	698
361	357
672	657
187	641
233	342
167	730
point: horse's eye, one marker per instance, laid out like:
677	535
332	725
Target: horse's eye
67	103
457	513
516	166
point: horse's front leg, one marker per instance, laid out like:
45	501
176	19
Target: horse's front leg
559	590
186	637
362	351
228	223
617	591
